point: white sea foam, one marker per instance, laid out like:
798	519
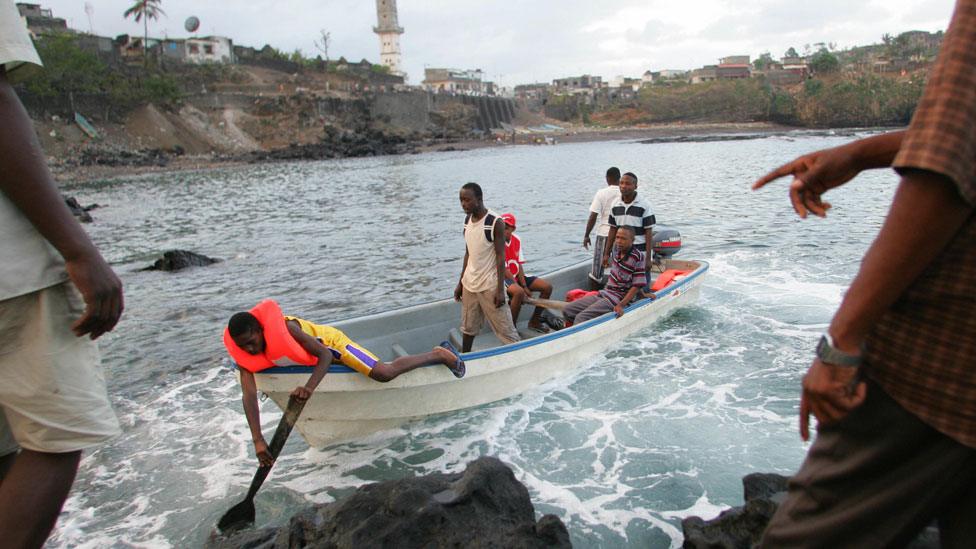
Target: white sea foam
657	429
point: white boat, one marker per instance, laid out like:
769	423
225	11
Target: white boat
348	405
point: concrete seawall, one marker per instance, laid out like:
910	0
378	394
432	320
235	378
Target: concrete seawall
412	109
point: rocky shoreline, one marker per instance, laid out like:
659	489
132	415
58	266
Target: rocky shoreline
93	163
484	506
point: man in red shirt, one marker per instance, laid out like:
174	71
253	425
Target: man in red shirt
520	286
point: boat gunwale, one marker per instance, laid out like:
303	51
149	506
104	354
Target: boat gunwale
511	347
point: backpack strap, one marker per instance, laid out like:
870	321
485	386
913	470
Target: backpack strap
490	227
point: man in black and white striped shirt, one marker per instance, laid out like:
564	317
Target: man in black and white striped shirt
631	211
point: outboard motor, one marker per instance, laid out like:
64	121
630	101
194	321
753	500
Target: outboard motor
667	242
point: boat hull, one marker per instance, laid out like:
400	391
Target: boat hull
347	404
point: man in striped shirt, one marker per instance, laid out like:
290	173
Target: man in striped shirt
627	276
630	211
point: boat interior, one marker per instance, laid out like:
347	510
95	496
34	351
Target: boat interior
418	328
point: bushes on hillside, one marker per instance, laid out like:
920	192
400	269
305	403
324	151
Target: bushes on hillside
832	101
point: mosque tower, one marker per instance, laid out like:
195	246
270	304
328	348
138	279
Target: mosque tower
389	32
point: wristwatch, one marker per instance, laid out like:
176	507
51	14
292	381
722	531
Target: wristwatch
829	354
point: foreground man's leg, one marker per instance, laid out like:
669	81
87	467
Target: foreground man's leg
32	494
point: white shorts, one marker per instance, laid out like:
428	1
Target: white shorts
52	389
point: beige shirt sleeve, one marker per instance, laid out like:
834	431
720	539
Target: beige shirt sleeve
16	47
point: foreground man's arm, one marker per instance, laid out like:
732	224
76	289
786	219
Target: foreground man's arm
25	180
817	172
896	258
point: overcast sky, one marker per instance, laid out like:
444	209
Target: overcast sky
534	40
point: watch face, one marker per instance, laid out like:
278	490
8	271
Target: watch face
828	354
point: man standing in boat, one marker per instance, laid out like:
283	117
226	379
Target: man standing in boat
631	211
626	278
481	288
603	201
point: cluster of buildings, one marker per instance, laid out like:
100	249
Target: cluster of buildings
910	49
906	52
206	49
215	49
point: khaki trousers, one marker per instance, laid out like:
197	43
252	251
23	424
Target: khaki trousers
477	306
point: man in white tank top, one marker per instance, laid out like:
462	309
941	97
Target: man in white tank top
481	289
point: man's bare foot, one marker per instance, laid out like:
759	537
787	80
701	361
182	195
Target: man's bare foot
539	327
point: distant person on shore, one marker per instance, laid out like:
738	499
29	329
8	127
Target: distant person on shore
635	212
600	207
481	288
893	384
626	278
264	337
520	286
55	289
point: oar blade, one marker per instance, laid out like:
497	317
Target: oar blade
239	516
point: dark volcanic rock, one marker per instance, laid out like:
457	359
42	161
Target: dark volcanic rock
79	211
174	260
92	156
739	526
483	507
742	527
340	144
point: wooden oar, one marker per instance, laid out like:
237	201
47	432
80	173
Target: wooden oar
547	303
242	514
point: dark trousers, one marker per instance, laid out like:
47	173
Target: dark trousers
585	308
876	479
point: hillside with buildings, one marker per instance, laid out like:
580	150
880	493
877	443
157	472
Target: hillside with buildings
142	99
130	99
863	86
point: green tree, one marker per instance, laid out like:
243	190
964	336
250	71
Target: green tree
763	61
67	68
144	10
791	52
824	62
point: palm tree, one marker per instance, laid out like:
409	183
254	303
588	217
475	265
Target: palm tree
145	10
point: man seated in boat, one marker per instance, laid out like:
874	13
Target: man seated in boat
264	338
627	277
520	286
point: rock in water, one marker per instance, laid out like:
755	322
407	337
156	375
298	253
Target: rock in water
743	527
79	211
485	506
175	260
739	526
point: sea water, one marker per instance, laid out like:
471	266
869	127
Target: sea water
658	428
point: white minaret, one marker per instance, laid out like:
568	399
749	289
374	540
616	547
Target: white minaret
389	32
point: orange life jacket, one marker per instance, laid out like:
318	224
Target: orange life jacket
280	348
573	295
666	278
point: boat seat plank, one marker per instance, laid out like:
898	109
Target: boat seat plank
454	336
547	303
399	351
